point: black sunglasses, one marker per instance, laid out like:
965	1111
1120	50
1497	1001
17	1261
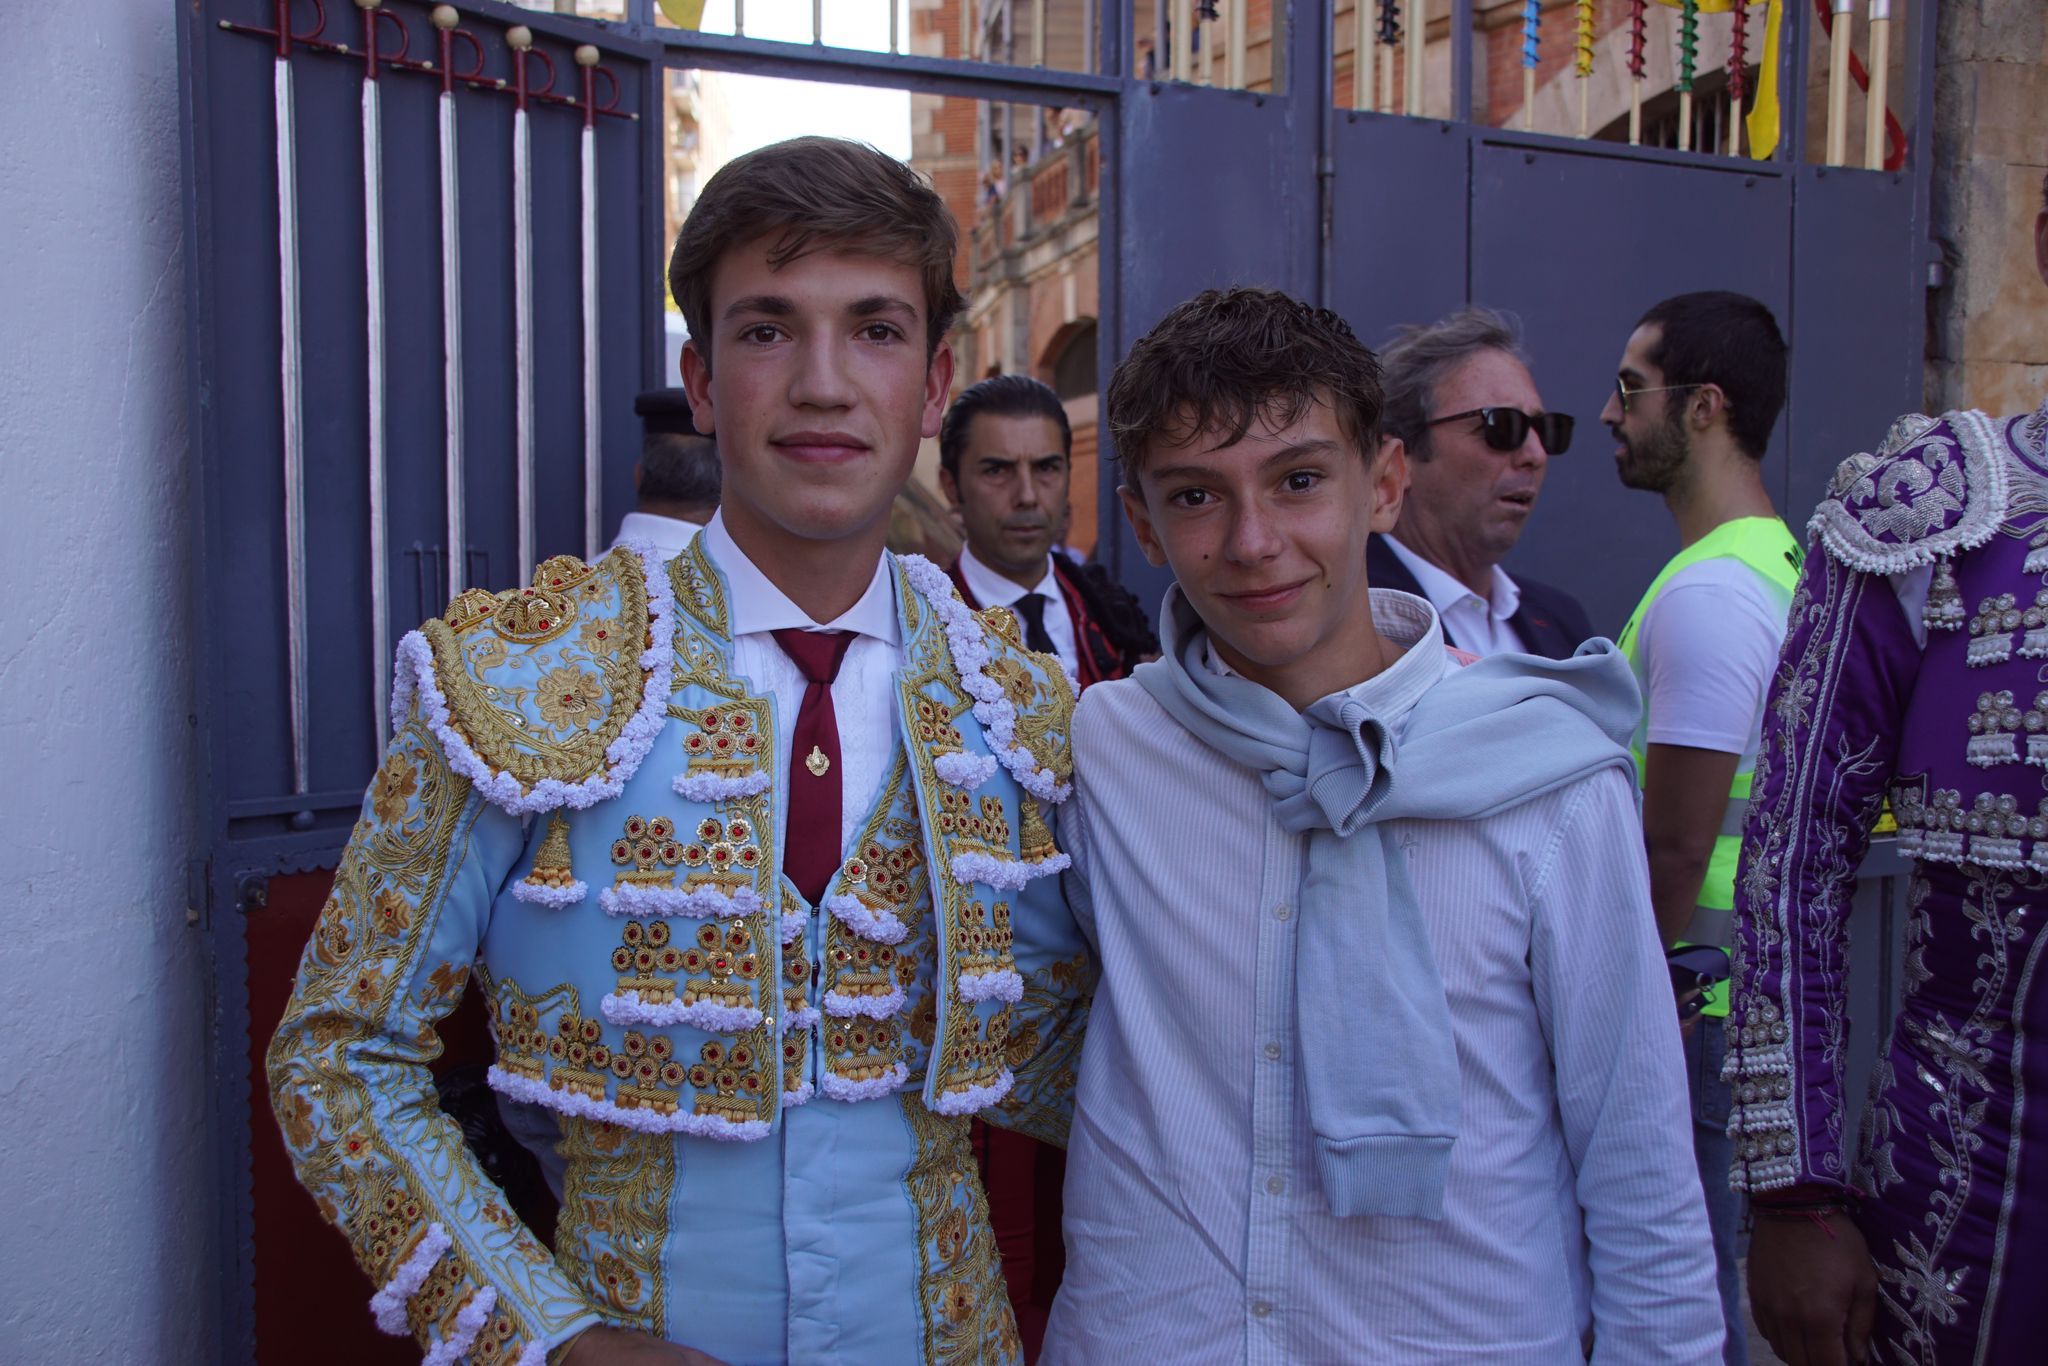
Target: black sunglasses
1505	429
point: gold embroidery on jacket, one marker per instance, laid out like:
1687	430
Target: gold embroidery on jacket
965	1307
552	707
362	990
615	1218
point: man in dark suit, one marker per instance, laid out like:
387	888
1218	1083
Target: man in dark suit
1005	458
1461	400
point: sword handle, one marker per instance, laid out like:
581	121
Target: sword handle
374	57
587	57
446	19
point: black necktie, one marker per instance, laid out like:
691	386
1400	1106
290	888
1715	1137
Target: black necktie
1031	607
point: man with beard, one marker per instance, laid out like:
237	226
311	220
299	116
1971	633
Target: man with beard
1698	389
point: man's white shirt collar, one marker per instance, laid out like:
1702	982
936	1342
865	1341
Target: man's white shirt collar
668	535
756	605
1445	592
991	589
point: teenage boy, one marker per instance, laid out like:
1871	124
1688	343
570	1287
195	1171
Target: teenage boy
1382	1066
748	855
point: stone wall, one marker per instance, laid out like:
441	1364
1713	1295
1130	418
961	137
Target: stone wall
1988	326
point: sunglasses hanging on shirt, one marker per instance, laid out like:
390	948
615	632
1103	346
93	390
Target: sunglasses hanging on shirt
1505	429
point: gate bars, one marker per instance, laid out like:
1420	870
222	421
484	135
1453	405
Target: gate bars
526	95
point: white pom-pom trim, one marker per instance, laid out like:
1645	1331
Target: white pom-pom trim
800	1019
554	898
534	1353
1005	875
415	673
645	1121
1001	985
388	1304
974	1097
710	787
962	769
888	1084
626	1008
841	1006
792	1099
877	926
468	1324
699	903
793	924
968	645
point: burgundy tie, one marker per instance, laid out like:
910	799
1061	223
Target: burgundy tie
810	845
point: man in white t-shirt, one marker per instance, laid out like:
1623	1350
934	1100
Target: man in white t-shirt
1696	394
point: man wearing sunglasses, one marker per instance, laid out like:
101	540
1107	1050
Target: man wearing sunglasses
1461	400
1698	389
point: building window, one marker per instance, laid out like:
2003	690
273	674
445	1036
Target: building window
1073	370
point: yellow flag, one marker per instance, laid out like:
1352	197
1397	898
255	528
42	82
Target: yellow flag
684	13
1761	123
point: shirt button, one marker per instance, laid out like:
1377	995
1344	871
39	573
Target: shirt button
1276	1185
1272	1050
1261	1309
1282	911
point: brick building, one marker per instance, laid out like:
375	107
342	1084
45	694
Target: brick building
1023	182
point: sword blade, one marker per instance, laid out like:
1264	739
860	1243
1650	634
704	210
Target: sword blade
522	332
591	511
291	376
451	347
373	274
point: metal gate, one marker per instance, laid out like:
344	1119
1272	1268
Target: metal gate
413	366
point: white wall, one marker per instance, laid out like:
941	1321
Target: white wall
106	1199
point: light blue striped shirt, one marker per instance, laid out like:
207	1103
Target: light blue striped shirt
1196	1231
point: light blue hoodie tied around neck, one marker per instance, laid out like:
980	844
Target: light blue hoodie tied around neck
1379	1062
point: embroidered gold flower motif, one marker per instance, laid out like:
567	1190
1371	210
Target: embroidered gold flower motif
297	1119
956	1302
924	1019
568	698
1018	684
951	1237
394	913
621	1283
600	636
331	938
396	781
1022	1047
445	982
368	987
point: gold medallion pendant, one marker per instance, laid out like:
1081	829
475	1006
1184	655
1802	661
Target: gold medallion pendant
816	762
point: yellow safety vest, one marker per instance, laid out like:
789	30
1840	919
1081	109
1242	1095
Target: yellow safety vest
1766	546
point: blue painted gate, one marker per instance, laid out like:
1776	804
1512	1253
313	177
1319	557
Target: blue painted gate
341	499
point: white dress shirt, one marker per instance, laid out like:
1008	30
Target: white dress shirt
666	534
991	589
1474	624
863	695
1195	1223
